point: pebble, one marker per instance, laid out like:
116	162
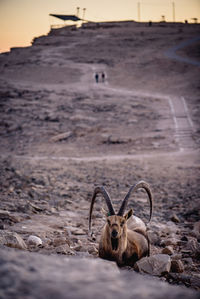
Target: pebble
175	218
170	241
193	246
176	256
2	226
34	240
197	227
60	241
177	266
168	250
64	249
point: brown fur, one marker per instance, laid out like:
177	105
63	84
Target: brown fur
132	245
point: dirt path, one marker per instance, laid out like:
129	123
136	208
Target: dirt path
171	53
178	119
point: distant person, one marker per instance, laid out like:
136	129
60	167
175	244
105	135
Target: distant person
103	77
97	77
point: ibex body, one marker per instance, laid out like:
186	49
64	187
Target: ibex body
124	238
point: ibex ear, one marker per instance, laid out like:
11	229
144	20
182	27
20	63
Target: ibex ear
129	214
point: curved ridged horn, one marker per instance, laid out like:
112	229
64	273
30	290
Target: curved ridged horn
137	186
108	202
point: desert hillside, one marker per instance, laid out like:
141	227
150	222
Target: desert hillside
62	133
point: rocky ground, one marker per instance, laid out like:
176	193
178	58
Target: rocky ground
62	134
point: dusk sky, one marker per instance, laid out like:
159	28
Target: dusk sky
22	20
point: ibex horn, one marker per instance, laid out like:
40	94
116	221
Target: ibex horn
108	202
134	188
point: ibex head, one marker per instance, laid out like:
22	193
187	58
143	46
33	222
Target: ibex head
116	228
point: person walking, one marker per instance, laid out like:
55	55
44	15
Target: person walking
103	77
97	77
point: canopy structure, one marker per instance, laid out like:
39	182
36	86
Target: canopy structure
66	17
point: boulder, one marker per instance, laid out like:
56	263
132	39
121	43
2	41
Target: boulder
157	264
32	275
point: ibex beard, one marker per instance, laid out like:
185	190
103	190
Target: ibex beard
124	238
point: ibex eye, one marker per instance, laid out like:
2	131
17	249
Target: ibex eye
122	223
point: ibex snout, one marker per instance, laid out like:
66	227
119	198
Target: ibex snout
114	234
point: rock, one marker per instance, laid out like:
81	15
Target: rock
176	256
177	266
188	260
170	241
196	229
79	248
175	218
64	249
33	275
168	250
157	264
193	246
92	250
77	231
33	240
115	139
154	237
184	238
195	281
35	208
6	215
13	240
62	136
2	226
60	241
169	228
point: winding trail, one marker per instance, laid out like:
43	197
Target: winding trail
180	119
171	53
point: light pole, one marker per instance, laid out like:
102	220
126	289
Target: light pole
138	8
84	9
173	11
77	11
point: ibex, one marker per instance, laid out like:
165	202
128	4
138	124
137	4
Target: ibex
124	238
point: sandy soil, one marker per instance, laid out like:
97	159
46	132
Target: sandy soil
141	123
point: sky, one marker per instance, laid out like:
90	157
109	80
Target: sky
22	20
